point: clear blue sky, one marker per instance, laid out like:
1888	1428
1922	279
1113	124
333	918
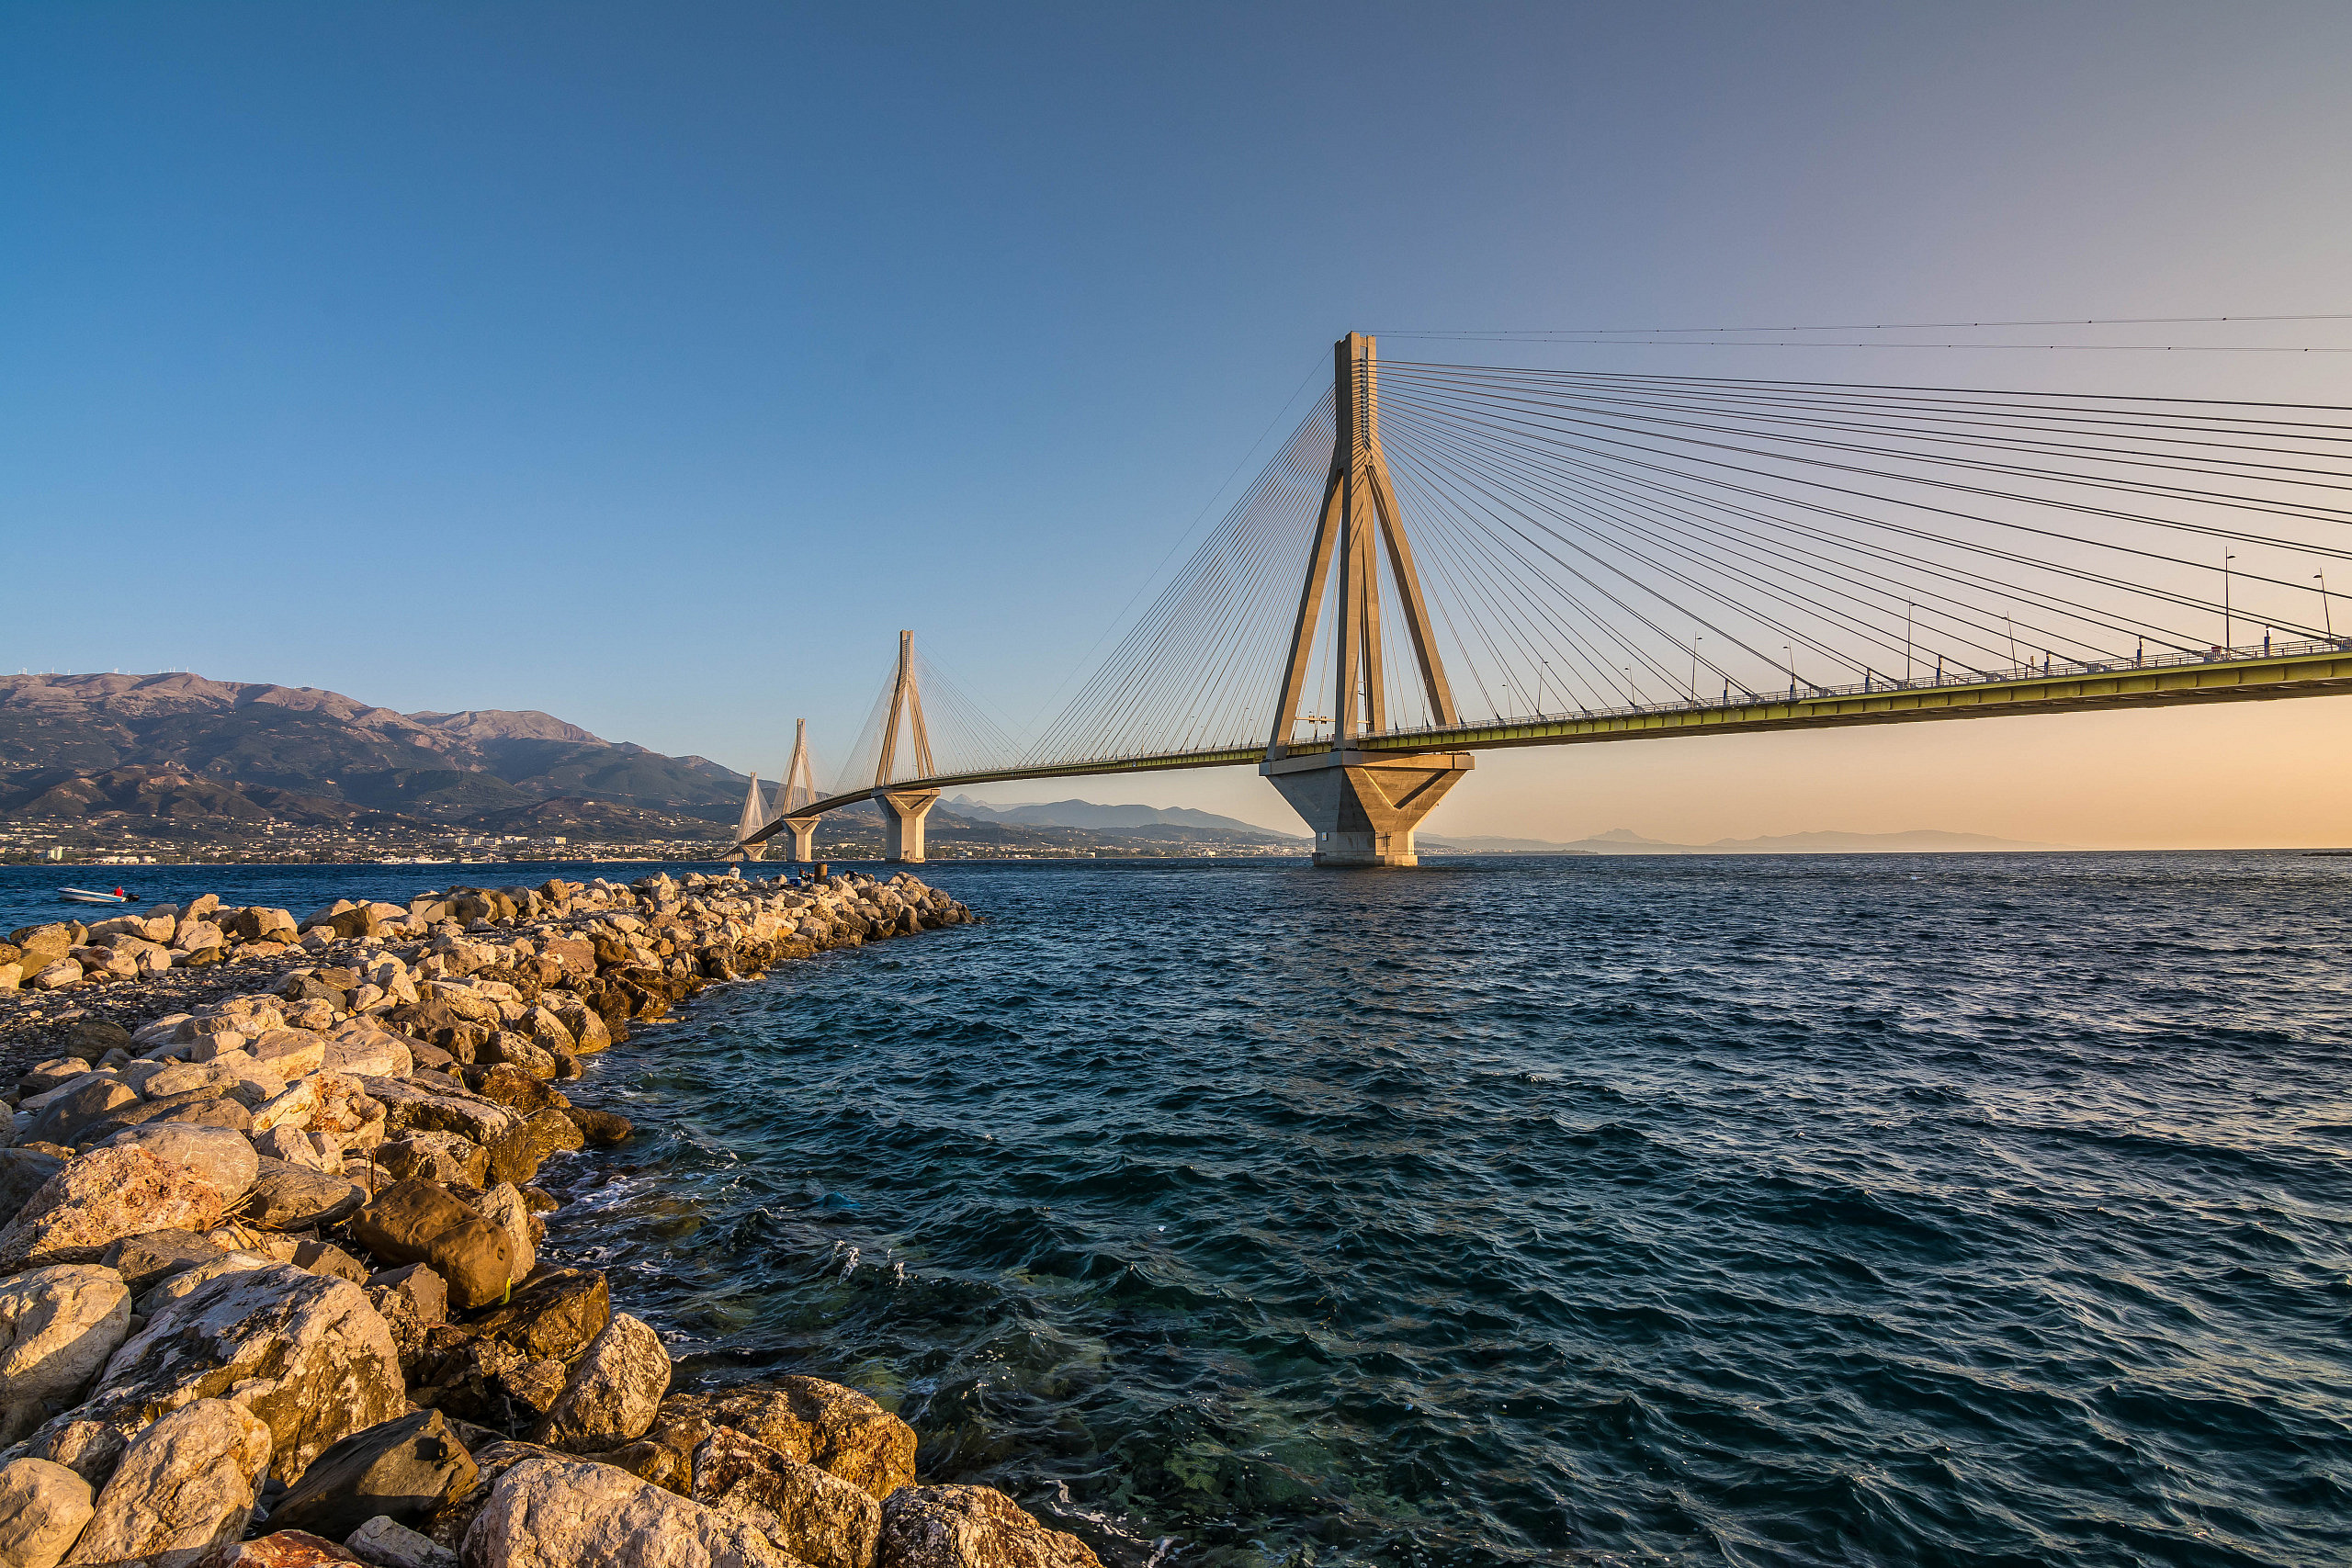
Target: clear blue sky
652	365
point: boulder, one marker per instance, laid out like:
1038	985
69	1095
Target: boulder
601	1128
304	1354
817	1519
548	1513
43	1077
516	1153
613	1393
518	1050
442	1157
181	1282
58	1326
291	1146
184	1491
77	1105
290	1053
219	1155
294	1108
970	1527
510	1086
325	1257
369	1054
104	1194
503	1206
150	1257
556	1315
414	1288
286	1548
56	977
389	1544
24	1172
294	1197
416	1222
411	1107
838	1429
404	1470
43	1508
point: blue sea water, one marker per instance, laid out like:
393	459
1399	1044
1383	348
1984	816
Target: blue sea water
1969	1210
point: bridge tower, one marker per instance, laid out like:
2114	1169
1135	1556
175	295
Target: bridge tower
798	789
755	818
903	810
1361	805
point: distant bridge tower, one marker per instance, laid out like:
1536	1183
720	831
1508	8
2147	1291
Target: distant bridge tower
903	810
798	789
1363	806
755	818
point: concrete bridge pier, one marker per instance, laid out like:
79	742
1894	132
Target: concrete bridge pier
804	838
1363	806
903	817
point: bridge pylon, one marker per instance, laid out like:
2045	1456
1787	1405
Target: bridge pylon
903	810
798	789
1363	806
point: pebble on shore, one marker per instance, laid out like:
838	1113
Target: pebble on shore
269	1292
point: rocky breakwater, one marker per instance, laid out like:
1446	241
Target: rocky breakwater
269	1284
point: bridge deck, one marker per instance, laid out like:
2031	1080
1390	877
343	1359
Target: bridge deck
2310	669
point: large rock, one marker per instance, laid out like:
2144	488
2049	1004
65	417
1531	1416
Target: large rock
416	1222
23	1172
970	1527
411	1106
820	1519
517	1155
304	1353
223	1157
43	1508
184	1491
388	1543
78	1104
290	1053
547	1513
613	1393
150	1257
293	1198
58	1326
503	1206
554	1317
404	1470
838	1429
106	1193
287	1549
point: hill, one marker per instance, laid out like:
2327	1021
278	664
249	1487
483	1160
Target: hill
1205	825
222	748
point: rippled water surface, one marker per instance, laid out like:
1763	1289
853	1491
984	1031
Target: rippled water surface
1889	1209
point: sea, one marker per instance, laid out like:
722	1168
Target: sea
1832	1209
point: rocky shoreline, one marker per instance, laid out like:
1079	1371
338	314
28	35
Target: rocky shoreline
269	1290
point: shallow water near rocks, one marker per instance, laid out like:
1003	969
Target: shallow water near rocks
1838	1209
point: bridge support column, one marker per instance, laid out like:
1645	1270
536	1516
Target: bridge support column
1363	806
902	815
803	837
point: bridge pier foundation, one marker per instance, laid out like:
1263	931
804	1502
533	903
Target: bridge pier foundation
903	817
1363	806
804	838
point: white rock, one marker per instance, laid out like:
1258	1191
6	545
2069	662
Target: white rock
293	1108
220	1155
547	1513
184	1490
58	1326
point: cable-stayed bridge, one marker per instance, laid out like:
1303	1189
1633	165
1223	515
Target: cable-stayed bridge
1446	559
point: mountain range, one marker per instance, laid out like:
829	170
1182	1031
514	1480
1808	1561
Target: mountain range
188	746
1086	814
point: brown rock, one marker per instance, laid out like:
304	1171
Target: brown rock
838	1429
817	1519
516	1156
287	1549
613	1393
970	1527
416	1222
554	1316
405	1469
104	1195
601	1128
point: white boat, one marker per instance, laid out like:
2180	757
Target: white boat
84	895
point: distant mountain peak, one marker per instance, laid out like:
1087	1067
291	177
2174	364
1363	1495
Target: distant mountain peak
503	724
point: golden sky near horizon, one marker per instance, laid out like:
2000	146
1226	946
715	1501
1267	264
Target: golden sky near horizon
2229	775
